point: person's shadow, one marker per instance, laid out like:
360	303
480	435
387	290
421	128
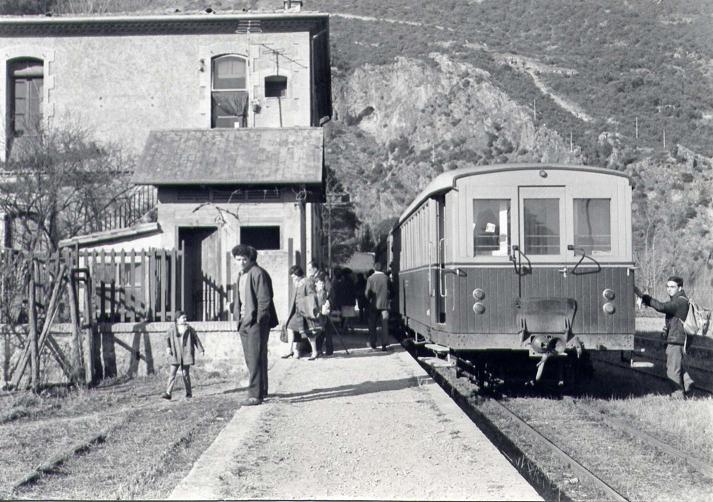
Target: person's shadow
358	389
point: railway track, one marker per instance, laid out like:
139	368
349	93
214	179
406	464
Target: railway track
489	411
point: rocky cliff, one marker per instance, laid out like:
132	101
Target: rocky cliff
396	126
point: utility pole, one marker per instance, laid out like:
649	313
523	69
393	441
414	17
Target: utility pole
534	110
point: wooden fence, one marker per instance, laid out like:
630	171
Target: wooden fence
131	286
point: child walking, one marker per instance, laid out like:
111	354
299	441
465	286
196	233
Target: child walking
182	341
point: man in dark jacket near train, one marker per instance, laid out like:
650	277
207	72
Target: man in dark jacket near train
676	310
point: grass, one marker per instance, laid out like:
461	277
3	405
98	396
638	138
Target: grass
150	446
687	425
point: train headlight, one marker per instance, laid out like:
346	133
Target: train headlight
478	308
608	308
478	294
608	294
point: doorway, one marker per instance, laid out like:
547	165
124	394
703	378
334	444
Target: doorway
204	297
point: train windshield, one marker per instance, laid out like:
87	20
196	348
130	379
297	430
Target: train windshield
592	225
541	226
491	227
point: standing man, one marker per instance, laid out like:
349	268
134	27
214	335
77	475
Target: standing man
254	311
676	310
377	294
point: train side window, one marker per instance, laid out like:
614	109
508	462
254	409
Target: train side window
592	225
542	226
491	227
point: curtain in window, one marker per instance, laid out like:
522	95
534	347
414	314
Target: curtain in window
229	104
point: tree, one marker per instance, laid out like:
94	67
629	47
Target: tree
339	221
59	184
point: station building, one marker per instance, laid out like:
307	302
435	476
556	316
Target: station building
224	112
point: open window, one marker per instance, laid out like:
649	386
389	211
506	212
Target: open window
229	94
275	86
261	238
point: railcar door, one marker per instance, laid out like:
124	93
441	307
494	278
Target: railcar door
542	240
441	290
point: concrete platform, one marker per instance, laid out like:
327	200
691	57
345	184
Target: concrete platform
368	425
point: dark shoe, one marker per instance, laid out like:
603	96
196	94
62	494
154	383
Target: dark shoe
287	356
166	395
328	354
385	348
189	396
251	401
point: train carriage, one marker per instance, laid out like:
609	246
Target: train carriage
534	258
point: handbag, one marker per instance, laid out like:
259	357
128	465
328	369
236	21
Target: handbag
283	334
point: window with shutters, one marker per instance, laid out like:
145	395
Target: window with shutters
26	83
229	94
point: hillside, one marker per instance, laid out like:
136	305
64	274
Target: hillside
424	87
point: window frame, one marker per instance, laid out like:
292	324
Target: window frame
593	252
214	117
33	76
468	195
262	226
284	90
509	233
545	193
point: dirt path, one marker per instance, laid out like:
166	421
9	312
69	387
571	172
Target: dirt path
370	425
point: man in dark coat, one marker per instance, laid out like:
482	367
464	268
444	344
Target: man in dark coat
254	311
377	294
676	310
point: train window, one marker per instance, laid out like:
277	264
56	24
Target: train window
491	227
542	226
592	225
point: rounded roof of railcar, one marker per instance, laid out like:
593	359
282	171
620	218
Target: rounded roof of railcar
447	181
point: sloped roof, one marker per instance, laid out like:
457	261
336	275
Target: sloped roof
245	156
118	234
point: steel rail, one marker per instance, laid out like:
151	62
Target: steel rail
578	468
700	465
587	476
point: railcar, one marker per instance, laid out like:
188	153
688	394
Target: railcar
527	259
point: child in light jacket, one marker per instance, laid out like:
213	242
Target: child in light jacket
182	341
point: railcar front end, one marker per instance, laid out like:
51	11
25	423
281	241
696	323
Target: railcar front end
534	258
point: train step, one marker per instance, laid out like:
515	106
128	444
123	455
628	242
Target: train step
437	362
437	349
641	364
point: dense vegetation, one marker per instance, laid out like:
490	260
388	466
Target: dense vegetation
639	61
